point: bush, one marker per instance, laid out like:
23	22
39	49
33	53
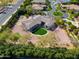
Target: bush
23	51
57	13
14	37
59	21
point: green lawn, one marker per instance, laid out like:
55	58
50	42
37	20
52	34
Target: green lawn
57	13
40	31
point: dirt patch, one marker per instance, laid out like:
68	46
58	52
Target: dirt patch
63	38
18	28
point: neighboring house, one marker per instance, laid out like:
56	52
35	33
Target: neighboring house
38	4
43	2
71	7
38	21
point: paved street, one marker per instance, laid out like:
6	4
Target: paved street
4	17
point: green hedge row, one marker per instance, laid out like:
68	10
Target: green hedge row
30	51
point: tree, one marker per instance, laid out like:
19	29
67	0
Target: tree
59	21
76	31
59	56
72	27
58	13
14	37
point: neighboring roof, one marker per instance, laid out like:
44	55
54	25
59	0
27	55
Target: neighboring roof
39	1
30	23
38	6
46	19
37	20
72	6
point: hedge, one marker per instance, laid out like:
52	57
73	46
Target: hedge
30	51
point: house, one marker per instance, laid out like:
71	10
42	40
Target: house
71	7
38	21
38	4
31	24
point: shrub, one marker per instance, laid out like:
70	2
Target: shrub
30	51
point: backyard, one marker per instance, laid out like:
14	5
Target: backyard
40	39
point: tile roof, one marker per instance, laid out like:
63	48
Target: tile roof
39	1
37	20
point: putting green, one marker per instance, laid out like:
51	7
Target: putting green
40	31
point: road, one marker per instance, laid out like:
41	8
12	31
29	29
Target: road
4	17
